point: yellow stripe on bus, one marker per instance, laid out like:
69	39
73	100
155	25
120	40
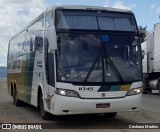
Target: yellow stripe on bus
125	87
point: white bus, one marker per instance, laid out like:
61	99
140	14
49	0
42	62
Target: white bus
77	60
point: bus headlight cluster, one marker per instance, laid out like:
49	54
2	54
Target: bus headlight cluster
134	91
66	92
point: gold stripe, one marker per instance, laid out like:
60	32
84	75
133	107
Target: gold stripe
125	87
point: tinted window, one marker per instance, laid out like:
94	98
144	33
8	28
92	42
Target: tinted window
38	32
108	23
78	22
95	20
49	19
38	43
17	46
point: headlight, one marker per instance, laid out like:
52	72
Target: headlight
134	91
66	92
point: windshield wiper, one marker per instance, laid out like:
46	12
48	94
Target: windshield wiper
91	69
107	62
112	66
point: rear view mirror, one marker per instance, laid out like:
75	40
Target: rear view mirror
52	39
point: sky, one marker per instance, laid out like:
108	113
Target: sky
16	14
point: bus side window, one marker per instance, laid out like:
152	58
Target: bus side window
31	45
32	38
11	48
38	43
49	20
26	47
38	32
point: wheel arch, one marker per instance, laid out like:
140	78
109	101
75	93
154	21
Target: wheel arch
13	86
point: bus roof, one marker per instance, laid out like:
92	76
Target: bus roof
78	7
82	7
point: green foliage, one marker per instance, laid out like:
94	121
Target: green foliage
142	32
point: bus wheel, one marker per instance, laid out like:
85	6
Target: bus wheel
16	101
159	87
45	115
110	115
144	90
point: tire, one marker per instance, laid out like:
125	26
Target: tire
144	90
159	87
16	101
110	115
45	115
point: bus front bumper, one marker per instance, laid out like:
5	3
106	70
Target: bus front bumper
70	105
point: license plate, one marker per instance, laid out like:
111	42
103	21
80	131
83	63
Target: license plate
106	105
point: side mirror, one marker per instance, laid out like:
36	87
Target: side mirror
52	38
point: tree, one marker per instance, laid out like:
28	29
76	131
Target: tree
142	32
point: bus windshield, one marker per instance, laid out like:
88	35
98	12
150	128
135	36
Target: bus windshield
95	20
100	56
